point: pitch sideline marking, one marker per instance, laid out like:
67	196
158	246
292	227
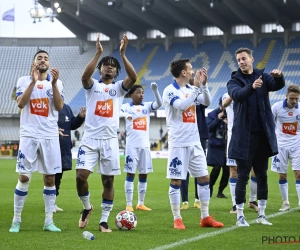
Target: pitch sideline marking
224	230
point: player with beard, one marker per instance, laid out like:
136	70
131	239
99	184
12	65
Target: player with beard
99	146
40	96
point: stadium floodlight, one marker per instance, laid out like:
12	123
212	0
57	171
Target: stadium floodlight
39	12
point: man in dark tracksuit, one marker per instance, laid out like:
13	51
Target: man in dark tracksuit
66	122
253	138
216	151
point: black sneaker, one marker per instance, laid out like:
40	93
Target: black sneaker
221	195
84	218
233	210
253	205
103	227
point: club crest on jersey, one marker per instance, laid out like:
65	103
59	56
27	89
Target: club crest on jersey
106	90
297	117
112	92
49	93
40	86
290	113
144	111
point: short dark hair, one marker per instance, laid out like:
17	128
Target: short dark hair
112	61
293	88
135	86
240	50
40	51
177	66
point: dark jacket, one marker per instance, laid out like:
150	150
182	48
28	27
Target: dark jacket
240	91
201	121
217	128
68	122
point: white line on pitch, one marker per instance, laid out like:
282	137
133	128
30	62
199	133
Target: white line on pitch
207	235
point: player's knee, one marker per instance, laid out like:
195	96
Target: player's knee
23	178
108	181
81	177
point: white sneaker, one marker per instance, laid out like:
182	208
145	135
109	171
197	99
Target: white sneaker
57	209
284	207
263	220
241	222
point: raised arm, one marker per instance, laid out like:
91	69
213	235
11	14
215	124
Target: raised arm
130	80
57	99
86	77
200	79
23	99
158	100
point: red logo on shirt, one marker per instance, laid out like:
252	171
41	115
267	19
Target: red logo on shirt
104	108
106	90
140	123
40	86
39	106
290	128
189	115
290	113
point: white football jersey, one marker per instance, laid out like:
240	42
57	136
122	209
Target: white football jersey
287	124
229	112
39	117
182	126
137	129
103	104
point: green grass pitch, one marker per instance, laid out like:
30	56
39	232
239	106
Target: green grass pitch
154	229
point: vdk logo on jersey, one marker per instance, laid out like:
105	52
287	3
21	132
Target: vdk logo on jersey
140	123
290	128
189	115
104	108
39	106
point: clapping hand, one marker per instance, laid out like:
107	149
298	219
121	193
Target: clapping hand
153	86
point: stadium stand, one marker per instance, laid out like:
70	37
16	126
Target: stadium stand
151	64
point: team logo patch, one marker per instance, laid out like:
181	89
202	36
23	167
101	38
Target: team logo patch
175	162
297	117
144	111
290	113
40	86
112	92
49	93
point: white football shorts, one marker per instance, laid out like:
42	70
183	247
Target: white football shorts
229	162
280	161
42	155
101	152
138	158
183	159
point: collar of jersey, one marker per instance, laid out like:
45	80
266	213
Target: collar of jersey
131	104
48	77
176	86
285	104
112	82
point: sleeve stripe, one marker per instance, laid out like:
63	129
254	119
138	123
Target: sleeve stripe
173	100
